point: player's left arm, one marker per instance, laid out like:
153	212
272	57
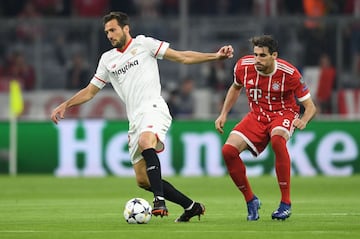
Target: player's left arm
193	57
309	113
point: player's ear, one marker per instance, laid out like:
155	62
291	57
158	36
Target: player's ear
274	55
126	28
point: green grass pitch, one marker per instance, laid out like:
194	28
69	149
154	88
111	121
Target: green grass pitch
34	206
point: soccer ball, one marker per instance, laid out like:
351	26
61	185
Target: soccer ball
137	211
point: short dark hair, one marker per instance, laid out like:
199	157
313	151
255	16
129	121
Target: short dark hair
265	41
121	18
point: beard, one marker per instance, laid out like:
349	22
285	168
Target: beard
260	67
121	43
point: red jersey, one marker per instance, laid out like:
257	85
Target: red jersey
271	94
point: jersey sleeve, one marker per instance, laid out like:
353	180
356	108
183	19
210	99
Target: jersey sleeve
238	74
101	76
156	47
302	91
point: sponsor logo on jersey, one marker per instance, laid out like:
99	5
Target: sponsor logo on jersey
125	68
255	94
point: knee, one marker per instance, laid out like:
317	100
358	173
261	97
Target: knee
229	152
147	140
278	142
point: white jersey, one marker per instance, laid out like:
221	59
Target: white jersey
134	74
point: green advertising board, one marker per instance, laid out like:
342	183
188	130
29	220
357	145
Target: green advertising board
193	148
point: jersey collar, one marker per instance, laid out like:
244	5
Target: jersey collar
271	73
127	45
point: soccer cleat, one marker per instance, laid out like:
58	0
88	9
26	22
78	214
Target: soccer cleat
283	212
253	206
197	209
159	208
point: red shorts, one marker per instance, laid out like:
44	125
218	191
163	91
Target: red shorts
257	133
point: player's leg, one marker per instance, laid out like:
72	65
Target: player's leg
241	138
279	136
150	142
191	208
147	143
282	168
231	150
169	192
142	179
146	137
237	171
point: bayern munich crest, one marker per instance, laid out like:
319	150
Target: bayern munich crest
276	86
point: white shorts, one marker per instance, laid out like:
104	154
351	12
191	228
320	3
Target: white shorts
157	121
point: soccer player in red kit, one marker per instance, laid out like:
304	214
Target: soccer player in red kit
272	86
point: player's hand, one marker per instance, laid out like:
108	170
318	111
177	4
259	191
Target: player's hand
299	123
226	52
58	113
219	123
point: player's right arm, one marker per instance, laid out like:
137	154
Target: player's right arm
230	99
195	57
80	97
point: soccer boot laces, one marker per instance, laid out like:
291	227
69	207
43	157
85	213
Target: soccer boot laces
283	212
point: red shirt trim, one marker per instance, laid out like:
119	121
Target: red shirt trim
124	49
100	79
159	49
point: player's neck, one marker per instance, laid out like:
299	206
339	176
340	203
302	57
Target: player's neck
270	69
126	45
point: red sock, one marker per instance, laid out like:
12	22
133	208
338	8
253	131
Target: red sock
282	166
237	170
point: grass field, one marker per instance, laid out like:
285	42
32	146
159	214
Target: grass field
48	207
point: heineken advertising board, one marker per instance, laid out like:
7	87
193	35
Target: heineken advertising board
193	148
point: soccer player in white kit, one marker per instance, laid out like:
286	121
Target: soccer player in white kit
131	68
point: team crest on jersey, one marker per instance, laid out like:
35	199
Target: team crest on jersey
133	51
275	86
